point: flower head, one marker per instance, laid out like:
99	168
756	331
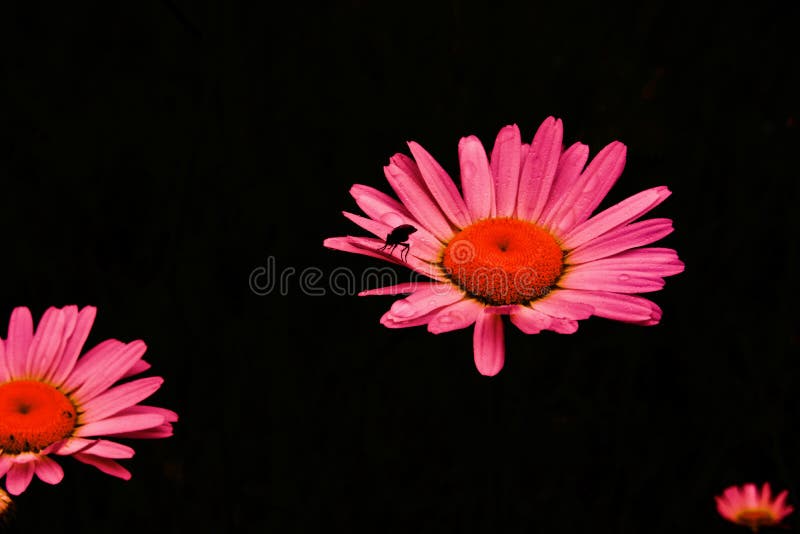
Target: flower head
747	507
518	239
54	402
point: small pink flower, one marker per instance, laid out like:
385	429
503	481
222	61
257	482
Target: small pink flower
746	507
518	239
55	402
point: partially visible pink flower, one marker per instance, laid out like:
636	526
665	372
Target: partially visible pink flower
518	239
747	507
6	509
54	402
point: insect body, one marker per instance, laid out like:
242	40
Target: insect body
399	237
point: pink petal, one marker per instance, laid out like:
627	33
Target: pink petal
557	305
724	509
105	371
528	320
623	238
531	321
167	414
616	306
488	343
109	467
750	496
120	397
441	186
427	250
424	301
139	367
629	209
652	260
48	470
404	177
369	247
19	476
778	505
411	261
5	464
122	423
5	374
476	178
110	449
158	432
505	163
564	187
46	343
71	445
399	289
590	188
766	495
381	207
64	364
456	316
580	277
539	170
20	335
81	372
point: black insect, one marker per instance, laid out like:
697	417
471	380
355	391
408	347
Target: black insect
399	237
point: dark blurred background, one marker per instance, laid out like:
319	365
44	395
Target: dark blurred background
156	153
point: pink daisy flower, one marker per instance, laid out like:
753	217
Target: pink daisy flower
746	507
55	403
517	240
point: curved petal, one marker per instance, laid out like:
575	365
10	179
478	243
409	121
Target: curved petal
476	178
399	289
616	306
19	476
591	187
103	372
539	169
369	246
556	305
649	261
107	466
427	249
531	321
570	165
441	186
5	374
629	209
119	397
581	277
505	163
20	335
456	316
626	237
48	470
404	177
46	343
110	449
488	343
64	365
424	301
122	423
381	207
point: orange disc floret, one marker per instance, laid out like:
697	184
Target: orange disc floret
33	415
503	261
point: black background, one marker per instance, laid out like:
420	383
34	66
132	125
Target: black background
157	153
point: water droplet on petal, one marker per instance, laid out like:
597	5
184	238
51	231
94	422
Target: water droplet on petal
623	277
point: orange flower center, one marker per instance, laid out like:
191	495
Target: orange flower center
756	517
503	261
33	415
